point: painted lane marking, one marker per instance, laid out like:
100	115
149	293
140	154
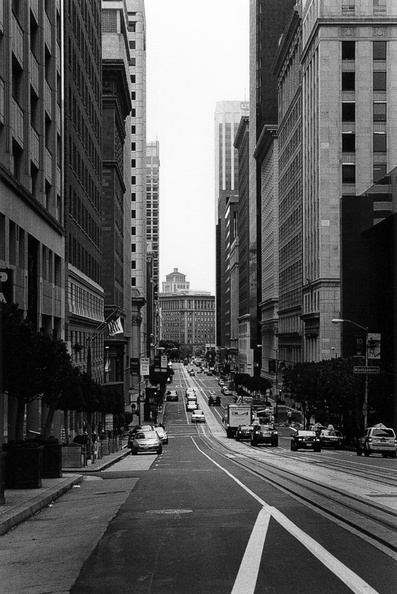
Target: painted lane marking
249	567
346	575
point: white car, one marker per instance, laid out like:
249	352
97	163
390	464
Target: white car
198	416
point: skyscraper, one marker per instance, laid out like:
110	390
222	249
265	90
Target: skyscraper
83	183
227	120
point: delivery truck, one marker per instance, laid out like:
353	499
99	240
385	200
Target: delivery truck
237	414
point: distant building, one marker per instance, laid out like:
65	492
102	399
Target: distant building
187	317
227	120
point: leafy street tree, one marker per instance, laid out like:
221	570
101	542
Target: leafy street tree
327	390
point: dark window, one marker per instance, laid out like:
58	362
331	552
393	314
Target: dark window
348	112
379	112
379	143
348	50
349	174
379	171
348	143
348	81
379	50
379	81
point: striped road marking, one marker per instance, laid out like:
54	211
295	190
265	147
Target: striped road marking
250	563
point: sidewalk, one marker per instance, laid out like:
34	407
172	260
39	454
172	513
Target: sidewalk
21	504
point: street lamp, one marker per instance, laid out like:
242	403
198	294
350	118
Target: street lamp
365	328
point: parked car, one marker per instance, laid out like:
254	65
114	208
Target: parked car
162	433
198	416
243	432
221	382
146	441
305	439
264	434
226	392
172	396
378	439
331	438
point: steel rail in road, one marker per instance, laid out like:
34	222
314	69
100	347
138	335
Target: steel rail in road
368	519
378	524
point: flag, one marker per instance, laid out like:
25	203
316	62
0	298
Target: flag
115	327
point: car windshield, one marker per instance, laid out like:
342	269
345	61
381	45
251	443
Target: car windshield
198	412
306	433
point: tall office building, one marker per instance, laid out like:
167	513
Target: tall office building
116	192
286	344
137	126
152	237
83	184
227	120
267	22
31	199
349	53
153	205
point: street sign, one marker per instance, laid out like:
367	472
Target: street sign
134	365
366	369
145	366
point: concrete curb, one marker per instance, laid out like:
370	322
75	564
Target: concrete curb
27	508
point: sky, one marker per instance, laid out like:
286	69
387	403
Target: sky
197	54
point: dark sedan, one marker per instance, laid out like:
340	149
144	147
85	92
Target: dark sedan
305	440
243	432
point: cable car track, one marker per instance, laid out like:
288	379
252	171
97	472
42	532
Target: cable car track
369	519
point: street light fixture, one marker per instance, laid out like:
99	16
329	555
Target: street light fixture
365	328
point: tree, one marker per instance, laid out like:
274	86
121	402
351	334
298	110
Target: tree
22	364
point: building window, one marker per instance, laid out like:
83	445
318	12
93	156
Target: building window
348	143
348	81
379	5
348	50
133	247
348	111
379	142
380	170
379	81
379	50
348	173
379	112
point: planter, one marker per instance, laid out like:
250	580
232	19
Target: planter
23	465
73	456
52	460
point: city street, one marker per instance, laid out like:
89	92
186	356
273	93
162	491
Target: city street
216	516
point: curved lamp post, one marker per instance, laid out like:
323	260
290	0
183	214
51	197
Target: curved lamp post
365	328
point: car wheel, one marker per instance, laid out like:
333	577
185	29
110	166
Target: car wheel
160	451
317	449
275	444
359	452
237	438
366	453
133	453
293	449
253	443
393	455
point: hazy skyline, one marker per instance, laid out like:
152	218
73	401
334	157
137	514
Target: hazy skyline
194	59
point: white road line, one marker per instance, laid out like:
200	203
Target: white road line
348	577
248	572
